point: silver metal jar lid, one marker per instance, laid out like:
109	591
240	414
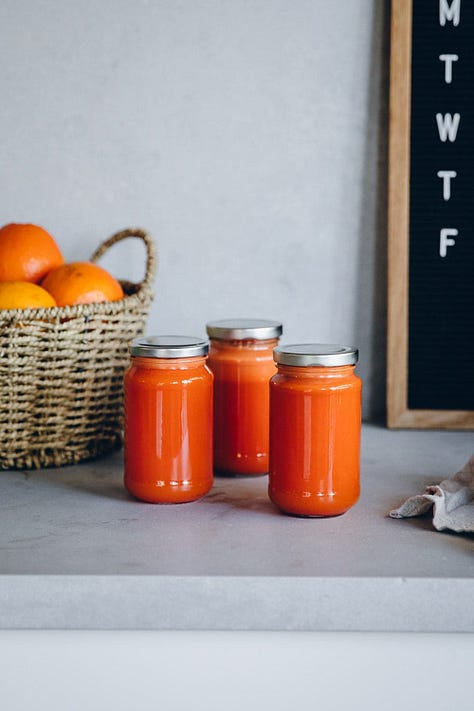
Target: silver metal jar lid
169	347
239	329
326	354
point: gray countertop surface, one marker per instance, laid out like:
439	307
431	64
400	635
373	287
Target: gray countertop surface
77	552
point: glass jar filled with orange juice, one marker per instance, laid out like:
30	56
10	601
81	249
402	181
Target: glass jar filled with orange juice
168	420
241	359
315	423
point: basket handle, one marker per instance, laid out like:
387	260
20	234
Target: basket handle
151	253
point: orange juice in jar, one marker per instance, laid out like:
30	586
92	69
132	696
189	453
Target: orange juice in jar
315	423
168	420
241	359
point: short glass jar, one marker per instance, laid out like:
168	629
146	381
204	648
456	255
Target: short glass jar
315	423
168	420
241	358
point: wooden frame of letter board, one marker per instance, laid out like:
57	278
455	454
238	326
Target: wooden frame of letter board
398	414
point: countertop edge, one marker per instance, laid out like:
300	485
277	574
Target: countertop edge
127	602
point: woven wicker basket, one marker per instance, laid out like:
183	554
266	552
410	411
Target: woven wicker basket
61	373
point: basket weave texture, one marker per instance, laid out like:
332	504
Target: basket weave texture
61	373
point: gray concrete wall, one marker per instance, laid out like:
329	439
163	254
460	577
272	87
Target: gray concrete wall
248	136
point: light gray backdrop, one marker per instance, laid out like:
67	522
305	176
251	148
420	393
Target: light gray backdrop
249	136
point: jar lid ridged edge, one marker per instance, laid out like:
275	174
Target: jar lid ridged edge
315	354
169	346
240	329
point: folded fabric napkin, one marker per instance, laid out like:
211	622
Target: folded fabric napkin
452	500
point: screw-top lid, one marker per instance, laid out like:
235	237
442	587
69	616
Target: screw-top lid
240	329
169	347
325	354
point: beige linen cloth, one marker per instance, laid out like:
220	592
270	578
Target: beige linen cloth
452	502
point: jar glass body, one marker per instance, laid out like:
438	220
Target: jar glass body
315	424
242	370
168	429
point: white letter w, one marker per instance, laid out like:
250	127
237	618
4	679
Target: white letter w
448	126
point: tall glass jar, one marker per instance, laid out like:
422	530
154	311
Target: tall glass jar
315	422
168	420
241	358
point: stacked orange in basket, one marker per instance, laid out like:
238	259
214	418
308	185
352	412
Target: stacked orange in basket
33	273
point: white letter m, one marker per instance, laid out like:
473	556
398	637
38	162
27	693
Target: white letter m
449	13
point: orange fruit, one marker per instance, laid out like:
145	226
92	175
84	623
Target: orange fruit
81	283
24	295
27	253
